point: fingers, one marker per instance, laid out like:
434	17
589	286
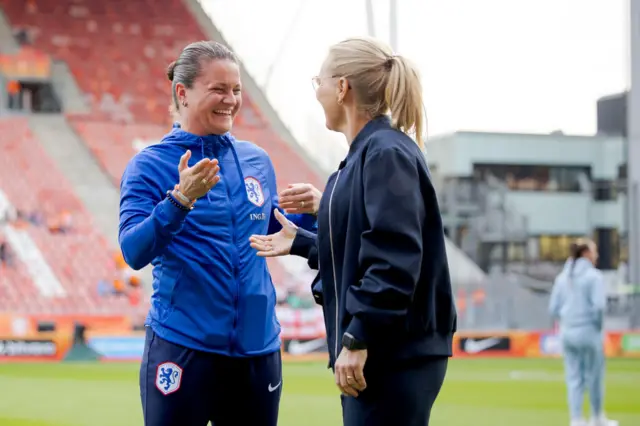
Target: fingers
343	382
295	189
282	219
211	172
306	197
200	165
358	380
264	246
184	161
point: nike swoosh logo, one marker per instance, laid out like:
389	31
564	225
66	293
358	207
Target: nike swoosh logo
272	388
474	346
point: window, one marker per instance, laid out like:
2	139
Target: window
604	190
555	248
537	178
608	241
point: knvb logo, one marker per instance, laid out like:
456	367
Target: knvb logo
168	377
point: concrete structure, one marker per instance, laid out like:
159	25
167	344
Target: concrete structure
530	194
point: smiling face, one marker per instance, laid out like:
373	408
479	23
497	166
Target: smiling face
215	98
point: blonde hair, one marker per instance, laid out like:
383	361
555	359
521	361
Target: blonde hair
382	82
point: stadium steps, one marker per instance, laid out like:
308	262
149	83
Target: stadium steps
67	90
8	44
75	161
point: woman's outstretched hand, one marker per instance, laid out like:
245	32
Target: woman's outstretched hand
278	244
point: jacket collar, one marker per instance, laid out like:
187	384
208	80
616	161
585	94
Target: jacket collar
378	123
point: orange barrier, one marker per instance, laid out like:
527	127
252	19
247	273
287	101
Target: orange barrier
51	346
113	338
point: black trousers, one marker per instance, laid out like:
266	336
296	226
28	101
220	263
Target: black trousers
183	387
397	395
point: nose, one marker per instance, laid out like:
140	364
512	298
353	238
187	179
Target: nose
229	99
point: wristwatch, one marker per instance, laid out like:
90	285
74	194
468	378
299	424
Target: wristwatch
350	342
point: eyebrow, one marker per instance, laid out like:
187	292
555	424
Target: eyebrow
223	84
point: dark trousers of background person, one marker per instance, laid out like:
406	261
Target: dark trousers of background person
208	387
399	394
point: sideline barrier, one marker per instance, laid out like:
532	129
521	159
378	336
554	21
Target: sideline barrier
112	340
50	346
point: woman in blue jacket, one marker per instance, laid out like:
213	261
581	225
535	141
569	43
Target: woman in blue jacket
578	301
188	206
380	246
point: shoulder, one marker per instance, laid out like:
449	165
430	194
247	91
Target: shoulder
595	275
389	141
154	160
251	153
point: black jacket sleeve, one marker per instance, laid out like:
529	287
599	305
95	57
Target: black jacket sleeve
305	244
391	249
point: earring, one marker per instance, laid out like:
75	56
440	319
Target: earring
340	101
184	104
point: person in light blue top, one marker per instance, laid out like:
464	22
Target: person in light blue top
578	301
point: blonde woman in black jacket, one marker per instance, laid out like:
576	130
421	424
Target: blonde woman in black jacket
380	248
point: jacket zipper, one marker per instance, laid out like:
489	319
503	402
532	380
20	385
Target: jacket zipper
333	263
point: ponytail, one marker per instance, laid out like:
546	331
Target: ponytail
403	96
383	82
577	250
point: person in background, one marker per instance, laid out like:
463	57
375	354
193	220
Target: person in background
188	206
380	249
578	301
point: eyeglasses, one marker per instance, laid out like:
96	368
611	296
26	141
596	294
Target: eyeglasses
317	80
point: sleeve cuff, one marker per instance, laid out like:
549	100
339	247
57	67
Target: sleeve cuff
358	330
302	243
170	216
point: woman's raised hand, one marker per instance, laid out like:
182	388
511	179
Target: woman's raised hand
278	244
197	180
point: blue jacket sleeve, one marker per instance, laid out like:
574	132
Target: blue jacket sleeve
148	221
304	221
392	248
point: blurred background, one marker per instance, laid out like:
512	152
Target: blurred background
534	140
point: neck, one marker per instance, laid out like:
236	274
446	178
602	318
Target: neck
191	126
353	125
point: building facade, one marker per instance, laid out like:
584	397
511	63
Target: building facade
510	198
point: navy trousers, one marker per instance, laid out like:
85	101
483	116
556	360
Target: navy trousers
397	394
184	387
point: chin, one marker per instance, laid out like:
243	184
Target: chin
220	128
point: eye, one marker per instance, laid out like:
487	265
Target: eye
237	91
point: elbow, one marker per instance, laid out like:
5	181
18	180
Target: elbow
132	256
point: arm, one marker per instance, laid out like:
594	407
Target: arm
148	222
305	244
555	302
598	298
392	248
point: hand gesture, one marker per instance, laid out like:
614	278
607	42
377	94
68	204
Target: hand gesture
278	244
349	371
300	198
197	180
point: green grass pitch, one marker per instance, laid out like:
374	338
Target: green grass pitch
478	392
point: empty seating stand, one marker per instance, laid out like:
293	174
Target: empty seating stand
80	258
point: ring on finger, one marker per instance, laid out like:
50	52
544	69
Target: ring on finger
204	182
302	204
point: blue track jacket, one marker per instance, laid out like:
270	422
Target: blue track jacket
210	290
